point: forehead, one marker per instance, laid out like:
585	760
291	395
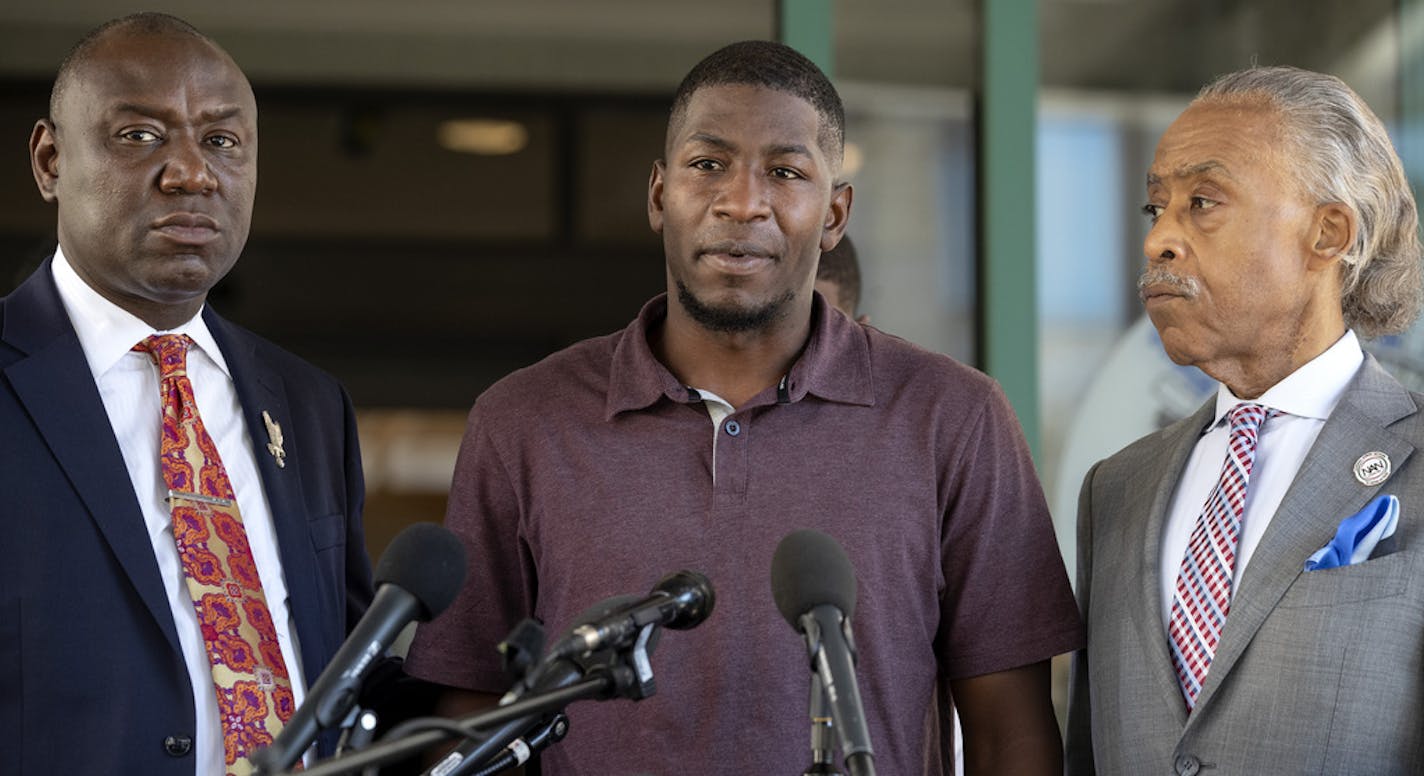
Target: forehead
167	71
1241	142
746	109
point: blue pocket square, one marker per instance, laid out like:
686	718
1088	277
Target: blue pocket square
1359	535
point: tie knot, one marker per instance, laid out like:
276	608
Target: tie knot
168	351
1247	418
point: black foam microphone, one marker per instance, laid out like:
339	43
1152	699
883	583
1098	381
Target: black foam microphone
813	583
678	601
419	575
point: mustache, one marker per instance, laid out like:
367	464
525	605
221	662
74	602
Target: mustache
1186	286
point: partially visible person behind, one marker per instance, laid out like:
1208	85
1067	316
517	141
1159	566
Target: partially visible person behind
737	408
838	279
180	500
1251	575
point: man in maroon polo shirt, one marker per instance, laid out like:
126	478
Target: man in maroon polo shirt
735	409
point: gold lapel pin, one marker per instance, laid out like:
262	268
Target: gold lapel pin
274	440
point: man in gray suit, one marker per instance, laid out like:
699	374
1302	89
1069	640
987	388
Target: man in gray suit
1282	227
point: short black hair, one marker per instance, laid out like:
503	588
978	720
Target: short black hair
146	22
840	265
774	66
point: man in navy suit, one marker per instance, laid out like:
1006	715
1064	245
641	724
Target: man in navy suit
150	154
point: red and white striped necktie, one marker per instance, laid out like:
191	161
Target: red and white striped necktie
1204	584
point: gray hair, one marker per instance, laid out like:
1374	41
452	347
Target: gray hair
1344	155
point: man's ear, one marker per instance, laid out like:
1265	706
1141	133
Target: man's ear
44	158
1334	232
837	216
655	197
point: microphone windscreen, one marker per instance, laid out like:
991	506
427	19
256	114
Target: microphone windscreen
809	569
427	561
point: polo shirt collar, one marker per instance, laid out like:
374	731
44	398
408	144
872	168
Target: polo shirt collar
835	364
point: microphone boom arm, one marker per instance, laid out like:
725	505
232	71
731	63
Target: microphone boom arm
631	676
526	709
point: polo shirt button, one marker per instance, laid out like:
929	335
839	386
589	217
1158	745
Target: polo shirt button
177	746
733	428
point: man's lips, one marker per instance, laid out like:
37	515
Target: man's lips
1161	285
1160	292
737	258
187	228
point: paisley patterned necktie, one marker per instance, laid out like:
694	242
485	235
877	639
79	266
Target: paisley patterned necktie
250	679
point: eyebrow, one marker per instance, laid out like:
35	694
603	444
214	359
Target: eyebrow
1190	172
790	149
772	150
712	140
206	117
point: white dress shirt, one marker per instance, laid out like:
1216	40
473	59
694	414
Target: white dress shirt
128	383
1308	395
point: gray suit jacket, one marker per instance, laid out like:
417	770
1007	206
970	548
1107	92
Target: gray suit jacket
1316	673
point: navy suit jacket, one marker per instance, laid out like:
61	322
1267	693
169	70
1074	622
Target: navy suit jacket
91	676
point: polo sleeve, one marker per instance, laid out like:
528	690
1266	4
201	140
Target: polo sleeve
1006	602
458	648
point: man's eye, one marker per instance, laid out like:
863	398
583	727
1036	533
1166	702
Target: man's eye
139	135
223	141
785	173
706	165
1153	212
1202	203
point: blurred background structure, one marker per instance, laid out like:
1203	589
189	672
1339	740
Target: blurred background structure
452	189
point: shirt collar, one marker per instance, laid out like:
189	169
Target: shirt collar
108	332
1313	390
835	364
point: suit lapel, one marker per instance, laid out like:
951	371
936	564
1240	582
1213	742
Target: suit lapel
261	388
1323	493
54	384
1164	469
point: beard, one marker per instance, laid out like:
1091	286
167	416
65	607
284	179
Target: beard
730	318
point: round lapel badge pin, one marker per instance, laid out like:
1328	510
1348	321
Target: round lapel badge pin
1372	468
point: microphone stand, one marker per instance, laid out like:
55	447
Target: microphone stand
358	730
520	750
628	674
632	678
531	707
823	746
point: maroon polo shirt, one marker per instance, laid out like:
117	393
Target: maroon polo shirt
591	474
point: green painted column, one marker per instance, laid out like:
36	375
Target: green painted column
1008	297
805	25
1409	134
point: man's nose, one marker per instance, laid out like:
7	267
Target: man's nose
186	170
